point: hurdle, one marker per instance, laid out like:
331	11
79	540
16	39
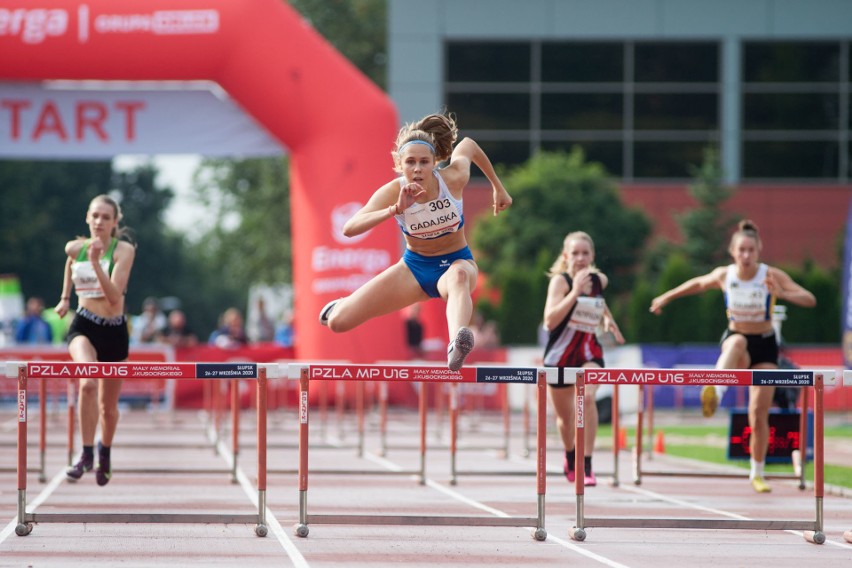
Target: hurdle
646	392
424	375
42	438
24	371
565	371
453	410
813	530
213	436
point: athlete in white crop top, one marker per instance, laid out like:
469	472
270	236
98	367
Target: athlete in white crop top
427	205
99	268
751	289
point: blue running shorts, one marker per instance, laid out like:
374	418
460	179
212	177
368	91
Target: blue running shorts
428	269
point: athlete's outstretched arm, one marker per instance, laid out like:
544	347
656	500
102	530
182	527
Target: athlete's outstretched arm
468	151
385	202
692	286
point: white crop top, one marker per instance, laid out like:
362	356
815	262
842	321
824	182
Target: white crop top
432	219
83	273
748	300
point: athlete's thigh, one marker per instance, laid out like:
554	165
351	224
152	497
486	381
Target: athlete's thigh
591	390
81	349
109	391
468	266
562	399
393	289
761	396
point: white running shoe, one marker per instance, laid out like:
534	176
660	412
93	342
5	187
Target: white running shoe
459	348
326	311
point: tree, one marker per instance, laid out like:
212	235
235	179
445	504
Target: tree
356	28
706	227
554	194
44	205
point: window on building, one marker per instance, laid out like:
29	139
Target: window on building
793	93
642	109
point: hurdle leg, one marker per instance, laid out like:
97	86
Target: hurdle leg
578	531
504	394
383	418
818	536
301	529
214	401
339	407
262	393
42	434
540	532
454	431
422	403
359	410
323	409
72	405
637	451
650	415
23	528
235	427
800	456
439	409
526	412
616	422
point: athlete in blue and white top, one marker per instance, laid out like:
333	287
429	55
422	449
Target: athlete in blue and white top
427	205
751	289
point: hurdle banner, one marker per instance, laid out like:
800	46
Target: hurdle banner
419	373
305	373
23	371
812	530
132	370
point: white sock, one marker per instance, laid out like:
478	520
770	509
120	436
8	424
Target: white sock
756	469
720	391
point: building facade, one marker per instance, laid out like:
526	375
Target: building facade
644	87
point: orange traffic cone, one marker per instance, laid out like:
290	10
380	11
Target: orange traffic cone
622	438
660	444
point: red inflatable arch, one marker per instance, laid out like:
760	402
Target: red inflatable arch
337	126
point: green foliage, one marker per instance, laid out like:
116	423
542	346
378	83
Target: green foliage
706	227
554	194
249	240
820	324
356	28
44	206
674	327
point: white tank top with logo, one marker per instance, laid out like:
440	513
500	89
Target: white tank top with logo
748	300
83	273
435	218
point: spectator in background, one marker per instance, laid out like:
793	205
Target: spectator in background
414	332
485	332
177	333
263	330
58	326
33	329
150	324
284	330
231	333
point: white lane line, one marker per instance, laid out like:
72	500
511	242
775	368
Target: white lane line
687	504
497	513
33	505
272	523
